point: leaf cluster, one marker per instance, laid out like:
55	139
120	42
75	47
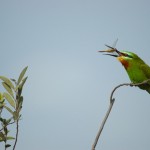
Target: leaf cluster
11	101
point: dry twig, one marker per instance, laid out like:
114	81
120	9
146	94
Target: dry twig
112	100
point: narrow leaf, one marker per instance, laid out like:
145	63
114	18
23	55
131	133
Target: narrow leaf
20	101
7	145
13	80
1	97
16	88
1	106
16	115
10	138
8	109
10	100
21	86
22	83
8	89
8	120
22	75
7	81
2	137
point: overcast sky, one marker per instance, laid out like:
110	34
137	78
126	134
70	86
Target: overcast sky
69	82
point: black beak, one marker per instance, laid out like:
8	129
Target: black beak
111	55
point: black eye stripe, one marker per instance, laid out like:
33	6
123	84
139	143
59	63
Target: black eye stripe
128	56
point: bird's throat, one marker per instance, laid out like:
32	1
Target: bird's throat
124	62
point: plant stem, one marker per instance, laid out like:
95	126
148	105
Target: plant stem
103	123
5	146
17	131
112	100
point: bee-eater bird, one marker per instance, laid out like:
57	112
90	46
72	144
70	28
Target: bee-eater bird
137	70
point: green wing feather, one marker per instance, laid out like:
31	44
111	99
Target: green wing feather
146	69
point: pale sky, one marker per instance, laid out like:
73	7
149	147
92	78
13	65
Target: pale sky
69	82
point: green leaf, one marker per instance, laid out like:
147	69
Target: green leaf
13	80
20	101
1	119
9	110
1	97
2	137
10	100
8	120
21	86
16	88
1	106
22	83
22	75
7	81
10	138
16	115
7	145
8	89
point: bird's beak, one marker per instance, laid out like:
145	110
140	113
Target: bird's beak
112	55
113	50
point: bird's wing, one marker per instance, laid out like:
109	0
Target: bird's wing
146	69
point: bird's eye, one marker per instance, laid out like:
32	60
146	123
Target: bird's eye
124	54
127	55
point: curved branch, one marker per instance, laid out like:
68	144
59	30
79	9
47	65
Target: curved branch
103	123
112	100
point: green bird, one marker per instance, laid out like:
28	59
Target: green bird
137	70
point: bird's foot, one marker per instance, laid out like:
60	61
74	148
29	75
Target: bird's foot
131	84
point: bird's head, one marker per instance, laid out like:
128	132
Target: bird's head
126	58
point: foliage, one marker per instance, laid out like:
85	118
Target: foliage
11	102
